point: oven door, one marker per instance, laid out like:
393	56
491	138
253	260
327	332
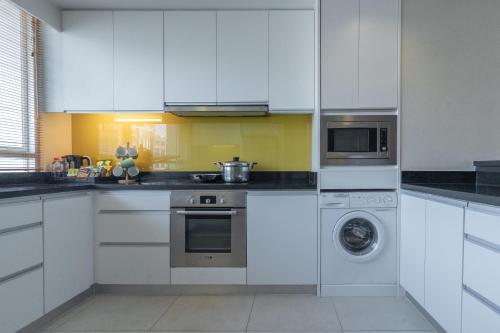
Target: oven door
208	238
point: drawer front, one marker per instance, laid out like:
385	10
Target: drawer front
134	200
477	317
18	214
133	228
482	270
483	225
21	301
27	247
133	265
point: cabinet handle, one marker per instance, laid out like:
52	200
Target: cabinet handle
482	243
208	212
20	228
486	302
20	273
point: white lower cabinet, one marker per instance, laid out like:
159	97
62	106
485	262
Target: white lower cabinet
141	264
21	301
443	263
282	238
68	248
478	317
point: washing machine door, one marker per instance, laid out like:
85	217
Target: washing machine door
359	236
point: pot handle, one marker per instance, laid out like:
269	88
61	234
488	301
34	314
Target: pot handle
253	164
219	164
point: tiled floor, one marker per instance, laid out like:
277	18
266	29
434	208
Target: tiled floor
277	313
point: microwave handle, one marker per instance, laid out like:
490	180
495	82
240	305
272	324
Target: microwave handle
208	212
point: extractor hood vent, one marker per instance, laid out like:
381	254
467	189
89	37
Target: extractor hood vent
238	110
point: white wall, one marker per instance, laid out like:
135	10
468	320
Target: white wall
451	83
43	10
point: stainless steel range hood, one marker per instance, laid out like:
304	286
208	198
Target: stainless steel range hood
236	110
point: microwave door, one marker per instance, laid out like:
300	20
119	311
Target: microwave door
352	140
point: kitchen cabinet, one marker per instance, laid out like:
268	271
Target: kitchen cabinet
133	237
138	60
242	57
291	60
282	238
87	53
360	54
190	57
412	267
443	262
68	247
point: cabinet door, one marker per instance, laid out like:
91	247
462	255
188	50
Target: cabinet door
88	60
190	57
282	238
412	262
378	53
443	264
291	60
68	244
138	59
242	56
339	54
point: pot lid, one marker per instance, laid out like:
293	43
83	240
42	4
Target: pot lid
236	163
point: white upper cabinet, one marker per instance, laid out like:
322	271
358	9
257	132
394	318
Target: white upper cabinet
339	54
412	265
378	54
138	60
443	263
242	57
87	60
360	54
291	60
190	57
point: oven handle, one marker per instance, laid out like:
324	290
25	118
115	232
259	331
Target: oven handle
208	212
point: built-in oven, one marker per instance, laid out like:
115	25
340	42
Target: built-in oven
208	229
358	140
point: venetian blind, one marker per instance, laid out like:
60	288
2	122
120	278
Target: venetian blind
19	89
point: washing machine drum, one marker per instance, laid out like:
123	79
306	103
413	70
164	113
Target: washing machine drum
359	236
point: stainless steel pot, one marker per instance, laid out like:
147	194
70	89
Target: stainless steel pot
235	171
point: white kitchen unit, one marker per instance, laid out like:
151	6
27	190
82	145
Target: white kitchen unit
360	54
133	237
282	238
291	60
68	247
412	256
138	60
190	57
21	275
87	53
443	262
242	57
481	297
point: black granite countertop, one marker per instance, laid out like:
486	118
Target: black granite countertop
263	181
460	185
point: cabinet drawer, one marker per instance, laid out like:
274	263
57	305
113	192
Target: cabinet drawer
482	270
133	227
483	225
134	200
27	245
18	214
21	301
477	317
133	265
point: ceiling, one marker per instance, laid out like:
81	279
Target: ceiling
184	4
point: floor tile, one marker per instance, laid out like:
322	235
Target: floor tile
120	313
207	313
292	312
64	317
390	331
379	314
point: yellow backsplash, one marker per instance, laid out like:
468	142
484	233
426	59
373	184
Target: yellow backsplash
170	143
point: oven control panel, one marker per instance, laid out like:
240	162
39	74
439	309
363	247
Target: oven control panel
185	199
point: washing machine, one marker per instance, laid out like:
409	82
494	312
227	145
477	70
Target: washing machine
359	243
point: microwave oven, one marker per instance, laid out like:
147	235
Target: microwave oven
358	140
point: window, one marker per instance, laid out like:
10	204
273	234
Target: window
19	91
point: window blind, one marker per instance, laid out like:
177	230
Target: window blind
19	89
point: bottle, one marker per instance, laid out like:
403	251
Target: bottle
57	167
65	165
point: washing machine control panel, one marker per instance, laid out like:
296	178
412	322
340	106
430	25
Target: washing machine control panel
373	199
